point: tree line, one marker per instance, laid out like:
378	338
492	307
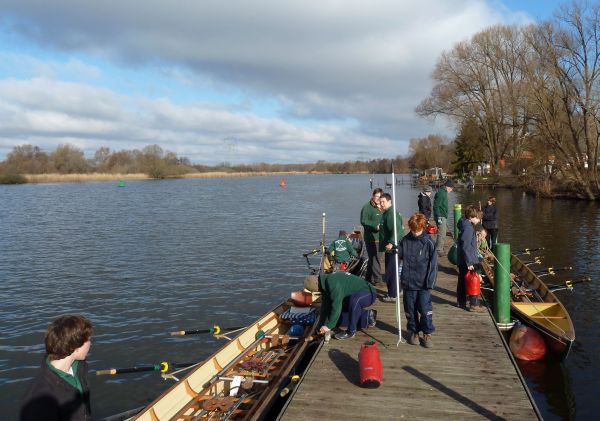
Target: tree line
528	95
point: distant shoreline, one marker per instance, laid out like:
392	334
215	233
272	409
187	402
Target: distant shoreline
81	178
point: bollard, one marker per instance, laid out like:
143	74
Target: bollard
502	284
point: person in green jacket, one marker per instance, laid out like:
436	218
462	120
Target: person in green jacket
343	300
341	249
440	214
387	244
370	219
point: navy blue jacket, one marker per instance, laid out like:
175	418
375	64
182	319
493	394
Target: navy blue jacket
466	244
419	267
490	217
425	205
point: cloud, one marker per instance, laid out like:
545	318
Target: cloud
344	75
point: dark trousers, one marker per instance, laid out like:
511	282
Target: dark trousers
461	289
492	237
354	315
418	311
374	263
390	274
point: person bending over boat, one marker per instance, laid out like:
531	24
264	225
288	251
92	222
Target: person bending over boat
370	219
387	244
344	297
467	250
341	249
60	391
419	273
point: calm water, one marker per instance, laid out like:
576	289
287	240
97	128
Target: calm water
153	257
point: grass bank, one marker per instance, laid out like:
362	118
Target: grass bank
81	178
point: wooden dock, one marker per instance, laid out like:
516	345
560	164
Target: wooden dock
468	374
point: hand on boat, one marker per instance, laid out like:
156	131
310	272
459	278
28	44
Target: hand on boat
324	329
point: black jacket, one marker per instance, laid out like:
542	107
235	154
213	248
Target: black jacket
425	205
466	244
419	262
50	398
490	217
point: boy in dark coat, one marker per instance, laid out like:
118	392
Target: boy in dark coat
490	221
419	273
425	206
467	249
60	391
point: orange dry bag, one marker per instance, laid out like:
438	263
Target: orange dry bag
369	363
473	282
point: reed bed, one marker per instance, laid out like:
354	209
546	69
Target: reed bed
81	178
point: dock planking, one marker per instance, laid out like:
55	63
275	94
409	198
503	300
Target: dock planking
468	374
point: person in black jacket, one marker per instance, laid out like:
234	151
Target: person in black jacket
419	273
467	250
490	221
60	391
425	206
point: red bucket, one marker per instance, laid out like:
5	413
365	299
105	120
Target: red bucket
473	283
369	363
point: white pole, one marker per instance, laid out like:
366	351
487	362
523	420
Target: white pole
394	212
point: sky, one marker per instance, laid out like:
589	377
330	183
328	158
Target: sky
237	81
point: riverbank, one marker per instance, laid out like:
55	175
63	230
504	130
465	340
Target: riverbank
81	178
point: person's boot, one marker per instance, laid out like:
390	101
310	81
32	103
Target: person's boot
372	318
414	339
427	343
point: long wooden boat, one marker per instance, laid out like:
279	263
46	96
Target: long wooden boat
536	305
243	379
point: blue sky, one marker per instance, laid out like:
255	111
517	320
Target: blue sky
235	81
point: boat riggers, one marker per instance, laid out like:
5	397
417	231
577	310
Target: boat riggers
527	251
568	284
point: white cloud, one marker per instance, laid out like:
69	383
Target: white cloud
334	62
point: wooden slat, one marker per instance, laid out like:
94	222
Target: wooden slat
466	375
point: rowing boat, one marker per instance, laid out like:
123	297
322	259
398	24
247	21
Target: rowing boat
536	305
244	379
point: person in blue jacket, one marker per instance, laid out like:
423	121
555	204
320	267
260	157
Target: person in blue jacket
419	273
467	249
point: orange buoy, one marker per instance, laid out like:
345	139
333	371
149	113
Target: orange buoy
282	183
527	344
369	363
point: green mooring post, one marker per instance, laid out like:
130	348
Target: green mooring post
457	216
502	284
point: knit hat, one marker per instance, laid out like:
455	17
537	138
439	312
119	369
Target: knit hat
427	189
449	183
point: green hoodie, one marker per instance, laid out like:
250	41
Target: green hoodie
440	204
341	249
387	228
370	218
335	288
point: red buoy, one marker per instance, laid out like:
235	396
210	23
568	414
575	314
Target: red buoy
369	363
282	183
527	344
473	282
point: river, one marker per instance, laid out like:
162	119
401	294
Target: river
156	256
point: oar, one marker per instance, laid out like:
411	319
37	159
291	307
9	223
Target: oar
568	284
527	251
215	330
163	367
551	271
